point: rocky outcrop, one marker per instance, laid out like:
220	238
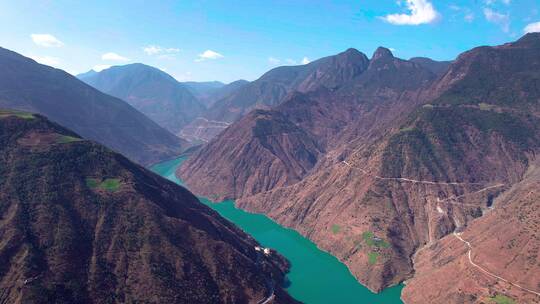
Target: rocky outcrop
82	224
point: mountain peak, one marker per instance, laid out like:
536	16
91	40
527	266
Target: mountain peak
382	52
353	54
528	40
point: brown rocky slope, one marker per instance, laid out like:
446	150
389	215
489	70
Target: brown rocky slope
421	158
82	224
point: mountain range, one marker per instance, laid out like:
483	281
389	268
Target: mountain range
414	171
171	104
379	161
29	86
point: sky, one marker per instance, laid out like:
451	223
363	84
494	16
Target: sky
227	40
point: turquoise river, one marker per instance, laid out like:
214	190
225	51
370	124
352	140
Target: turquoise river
315	276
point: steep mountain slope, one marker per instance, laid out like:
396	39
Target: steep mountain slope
269	151
271	88
27	85
504	243
82	224
323	113
408	157
151	91
209	92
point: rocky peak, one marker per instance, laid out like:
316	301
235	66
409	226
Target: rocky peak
528	40
382	53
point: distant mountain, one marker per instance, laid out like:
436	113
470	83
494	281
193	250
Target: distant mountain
204	88
87	75
201	129
437	67
27	85
271	88
210	92
83	224
151	91
408	155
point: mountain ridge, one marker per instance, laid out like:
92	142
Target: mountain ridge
29	86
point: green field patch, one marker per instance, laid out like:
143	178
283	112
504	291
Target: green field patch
501	299
336	228
19	114
92	183
109	184
65	139
372	257
373	241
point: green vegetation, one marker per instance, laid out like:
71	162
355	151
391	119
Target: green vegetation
486	106
373	241
20	114
109	184
372	257
501	299
92	183
335	229
64	139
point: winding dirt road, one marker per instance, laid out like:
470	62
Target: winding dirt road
487	272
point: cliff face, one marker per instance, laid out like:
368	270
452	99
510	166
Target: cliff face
82	224
408	156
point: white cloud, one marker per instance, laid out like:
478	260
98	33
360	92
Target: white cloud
46	40
209	55
273	61
532	28
420	12
113	57
100	67
305	60
500	19
47	60
469	17
158	50
490	2
290	61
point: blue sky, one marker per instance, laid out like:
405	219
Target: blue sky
227	40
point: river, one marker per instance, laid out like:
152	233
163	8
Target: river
315	277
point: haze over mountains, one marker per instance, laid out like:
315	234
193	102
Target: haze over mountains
377	159
170	103
29	86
